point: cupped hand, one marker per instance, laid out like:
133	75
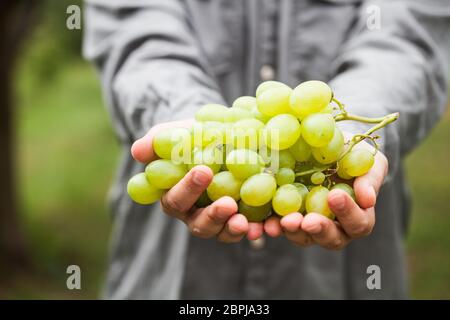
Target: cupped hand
353	219
220	219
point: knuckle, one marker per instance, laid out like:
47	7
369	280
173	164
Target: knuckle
362	230
172	205
336	244
199	232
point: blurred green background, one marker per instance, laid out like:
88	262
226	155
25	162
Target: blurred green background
67	153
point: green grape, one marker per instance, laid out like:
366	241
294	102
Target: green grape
274	101
255	214
172	140
211	157
243	163
259	116
237	114
357	162
318	129
141	191
286	200
164	174
342	173
224	184
317	201
213	112
245	102
301	150
286	159
258	189
281	132
317	178
266	85
245	134
209	134
328	109
310	97
346	188
332	151
203	201
285	176
303	190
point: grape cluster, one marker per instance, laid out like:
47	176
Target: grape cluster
278	152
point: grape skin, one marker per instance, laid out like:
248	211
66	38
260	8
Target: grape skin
213	112
303	190
255	214
274	101
318	129
342	173
286	200
141	191
310	97
224	184
357	162
266	85
285	176
332	151
317	178
243	163
164	174
167	140
346	188
317	201
281	132
245	102
245	134
211	157
301	150
258	189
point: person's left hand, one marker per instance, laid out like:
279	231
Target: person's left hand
353	220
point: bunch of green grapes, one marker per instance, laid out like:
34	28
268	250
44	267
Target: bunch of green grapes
279	152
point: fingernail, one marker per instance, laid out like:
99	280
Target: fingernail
200	178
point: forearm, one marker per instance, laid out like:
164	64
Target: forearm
151	65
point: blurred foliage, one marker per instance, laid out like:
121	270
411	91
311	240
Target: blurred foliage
67	156
53	44
429	232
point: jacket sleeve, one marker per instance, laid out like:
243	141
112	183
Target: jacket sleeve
400	66
150	62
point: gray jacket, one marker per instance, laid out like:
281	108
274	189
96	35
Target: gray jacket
159	60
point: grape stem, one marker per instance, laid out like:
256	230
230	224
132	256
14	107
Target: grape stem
381	123
311	171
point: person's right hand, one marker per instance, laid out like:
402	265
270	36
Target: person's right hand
220	219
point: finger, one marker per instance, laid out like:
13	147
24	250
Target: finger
367	186
235	229
255	230
272	226
181	197
355	221
291	222
324	231
211	220
142	149
291	225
